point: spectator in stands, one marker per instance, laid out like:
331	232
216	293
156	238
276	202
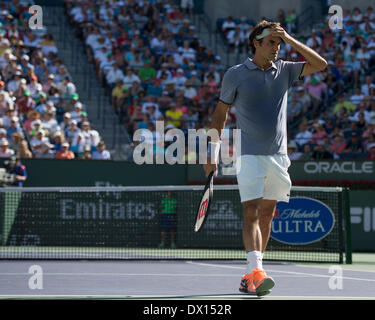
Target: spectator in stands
173	116
354	145
304	136
13	128
64	153
293	152
49	122
37	142
371	151
119	93
147	73
358	97
291	21
320	152
23	151
71	133
76	113
86	155
236	38
369	131
45	151
113	75
66	89
155	89
187	6
318	134
4	103
101	153
316	90
367	86
294	109
338	146
307	153
34	86
228	25
64	125
344	104
57	140
130	78
86	136
5	151
26	103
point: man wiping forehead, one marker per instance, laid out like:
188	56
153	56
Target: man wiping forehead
258	88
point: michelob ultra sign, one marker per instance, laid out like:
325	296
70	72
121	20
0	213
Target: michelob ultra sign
301	221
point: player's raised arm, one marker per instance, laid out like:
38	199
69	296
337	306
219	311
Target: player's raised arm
314	62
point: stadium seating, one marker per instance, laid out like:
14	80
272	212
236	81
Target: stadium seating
149	57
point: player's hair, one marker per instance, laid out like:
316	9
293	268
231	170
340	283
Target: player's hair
258	29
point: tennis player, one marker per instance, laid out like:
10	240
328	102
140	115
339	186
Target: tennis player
258	90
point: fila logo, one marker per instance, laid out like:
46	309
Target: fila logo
364	215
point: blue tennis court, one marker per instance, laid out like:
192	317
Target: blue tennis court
183	280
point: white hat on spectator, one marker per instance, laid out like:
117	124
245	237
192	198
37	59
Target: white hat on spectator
292	145
67	115
45	146
4	142
3	131
14	119
65	144
73	122
36	122
50	103
6	42
370	145
25	57
78	105
180	70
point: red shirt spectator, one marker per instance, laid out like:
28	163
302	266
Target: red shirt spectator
339	145
64	153
26	103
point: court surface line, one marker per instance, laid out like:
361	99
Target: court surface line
286	272
190	275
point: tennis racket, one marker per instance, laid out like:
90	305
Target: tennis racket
204	204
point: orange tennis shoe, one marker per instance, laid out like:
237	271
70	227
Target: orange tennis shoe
257	283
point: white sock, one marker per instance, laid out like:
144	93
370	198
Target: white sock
254	261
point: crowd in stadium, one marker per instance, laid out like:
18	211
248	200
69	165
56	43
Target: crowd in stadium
40	112
149	57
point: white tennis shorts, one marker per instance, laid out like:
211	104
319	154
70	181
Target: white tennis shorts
264	176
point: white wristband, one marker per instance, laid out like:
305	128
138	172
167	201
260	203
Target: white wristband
213	151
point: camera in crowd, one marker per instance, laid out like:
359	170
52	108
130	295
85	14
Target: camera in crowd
6	178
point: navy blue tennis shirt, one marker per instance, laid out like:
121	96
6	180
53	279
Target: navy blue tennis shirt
260	99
